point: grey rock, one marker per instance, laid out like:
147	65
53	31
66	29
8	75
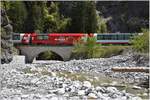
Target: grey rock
37	86
24	96
136	98
48	96
87	84
101	89
60	91
54	98
92	95
81	92
137	87
112	89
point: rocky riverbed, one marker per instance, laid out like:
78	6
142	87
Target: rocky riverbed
71	80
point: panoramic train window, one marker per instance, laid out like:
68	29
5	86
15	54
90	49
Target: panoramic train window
113	37
120	37
42	37
99	37
126	37
108	37
16	37
104	37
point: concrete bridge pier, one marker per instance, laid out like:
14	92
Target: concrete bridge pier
31	52
28	59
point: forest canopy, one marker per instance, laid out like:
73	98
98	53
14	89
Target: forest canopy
73	16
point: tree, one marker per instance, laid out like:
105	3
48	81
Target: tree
91	17
84	18
17	14
141	43
53	21
78	17
102	27
90	49
34	20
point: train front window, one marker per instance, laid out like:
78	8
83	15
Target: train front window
16	37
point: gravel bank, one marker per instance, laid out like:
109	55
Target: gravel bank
18	85
103	66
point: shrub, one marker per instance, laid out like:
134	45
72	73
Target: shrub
141	43
91	49
109	51
86	50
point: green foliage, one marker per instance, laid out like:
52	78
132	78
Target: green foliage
109	51
84	18
17	14
90	49
34	20
32	16
90	17
102	27
141	43
48	55
53	21
79	50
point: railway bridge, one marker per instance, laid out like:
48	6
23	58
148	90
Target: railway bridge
31	52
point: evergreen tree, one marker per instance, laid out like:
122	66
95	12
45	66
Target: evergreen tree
84	17
35	16
91	20
53	21
17	14
140	43
78	17
102	27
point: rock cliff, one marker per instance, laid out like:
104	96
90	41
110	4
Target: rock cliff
6	44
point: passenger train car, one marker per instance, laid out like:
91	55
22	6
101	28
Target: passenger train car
71	38
114	38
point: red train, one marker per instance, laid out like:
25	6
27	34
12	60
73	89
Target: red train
71	38
49	39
